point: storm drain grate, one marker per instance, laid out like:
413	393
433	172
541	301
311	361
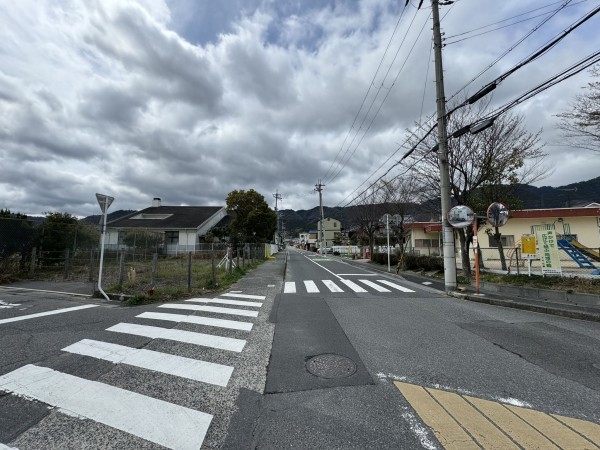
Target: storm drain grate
331	366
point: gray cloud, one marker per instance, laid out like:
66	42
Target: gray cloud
187	100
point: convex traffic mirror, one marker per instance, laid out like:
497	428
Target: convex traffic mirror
461	216
497	214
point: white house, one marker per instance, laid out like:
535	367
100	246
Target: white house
179	227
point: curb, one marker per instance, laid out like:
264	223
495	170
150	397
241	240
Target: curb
582	315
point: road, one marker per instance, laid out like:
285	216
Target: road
405	364
332	356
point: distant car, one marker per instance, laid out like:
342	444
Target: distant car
328	250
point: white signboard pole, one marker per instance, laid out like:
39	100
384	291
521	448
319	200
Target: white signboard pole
104	201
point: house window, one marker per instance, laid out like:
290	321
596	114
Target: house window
171	237
426	243
507	241
334	224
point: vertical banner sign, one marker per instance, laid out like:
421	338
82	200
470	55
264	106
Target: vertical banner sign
528	244
549	252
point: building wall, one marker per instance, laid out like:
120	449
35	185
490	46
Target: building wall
586	229
331	229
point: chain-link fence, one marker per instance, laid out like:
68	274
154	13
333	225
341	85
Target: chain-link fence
141	262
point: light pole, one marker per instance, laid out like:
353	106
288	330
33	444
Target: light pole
104	201
387	229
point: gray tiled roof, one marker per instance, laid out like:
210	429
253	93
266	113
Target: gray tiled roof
180	217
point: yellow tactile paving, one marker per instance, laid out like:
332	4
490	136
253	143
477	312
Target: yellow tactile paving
588	429
465	422
519	430
477	425
563	436
445	428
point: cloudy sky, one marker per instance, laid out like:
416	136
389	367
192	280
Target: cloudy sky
188	100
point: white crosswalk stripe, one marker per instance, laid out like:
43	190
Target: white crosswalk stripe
395	286
180	366
224	302
152	419
157	421
374	286
212	309
352	285
190	337
332	286
209	321
253	297
311	287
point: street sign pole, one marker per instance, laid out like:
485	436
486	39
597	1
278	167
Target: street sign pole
387	226
104	201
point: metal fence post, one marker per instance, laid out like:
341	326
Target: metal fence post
121	268
66	274
154	267
189	274
214	269
517	256
32	266
237	250
91	271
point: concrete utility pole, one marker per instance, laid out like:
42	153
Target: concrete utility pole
277	197
319	188
448	232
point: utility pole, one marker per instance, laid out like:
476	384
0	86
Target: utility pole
277	197
448	232
319	188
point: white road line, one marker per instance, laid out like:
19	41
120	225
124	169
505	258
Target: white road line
427	283
352	285
74	294
46	313
375	286
332	286
224	302
155	420
209	321
311	287
290	287
213	309
180	366
190	337
395	286
254	297
357	274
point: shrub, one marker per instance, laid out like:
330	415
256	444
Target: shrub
428	263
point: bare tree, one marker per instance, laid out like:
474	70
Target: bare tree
399	195
505	154
581	125
366	214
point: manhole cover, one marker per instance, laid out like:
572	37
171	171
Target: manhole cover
331	366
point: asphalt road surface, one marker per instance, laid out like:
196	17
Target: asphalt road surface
332	356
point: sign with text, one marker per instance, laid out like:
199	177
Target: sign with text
528	246
549	252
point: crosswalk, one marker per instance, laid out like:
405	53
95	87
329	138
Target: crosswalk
342	285
152	419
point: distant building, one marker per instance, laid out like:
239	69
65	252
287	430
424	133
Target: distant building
331	231
175	229
580	225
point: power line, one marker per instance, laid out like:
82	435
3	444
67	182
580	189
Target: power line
448	38
341	164
372	84
511	48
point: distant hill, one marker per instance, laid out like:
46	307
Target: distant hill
576	194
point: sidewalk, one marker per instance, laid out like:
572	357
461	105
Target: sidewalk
560	303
